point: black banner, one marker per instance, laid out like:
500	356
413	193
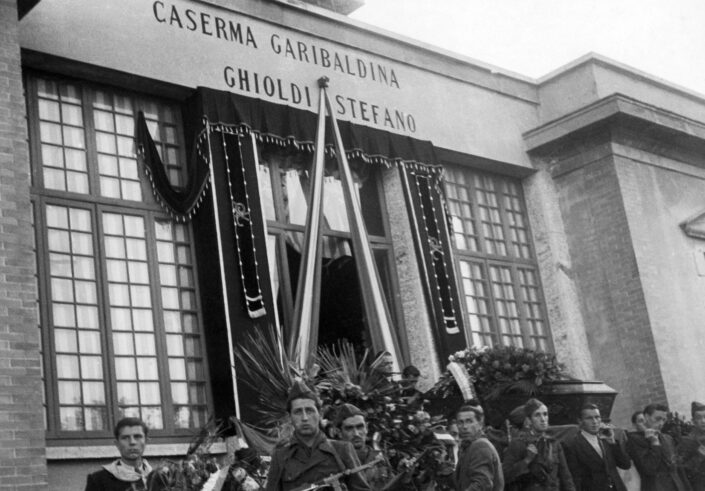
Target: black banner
425	204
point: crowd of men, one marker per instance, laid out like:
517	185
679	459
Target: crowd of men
535	459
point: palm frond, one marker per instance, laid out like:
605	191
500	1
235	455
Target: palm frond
268	371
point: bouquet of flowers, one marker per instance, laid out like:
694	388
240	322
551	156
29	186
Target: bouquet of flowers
501	370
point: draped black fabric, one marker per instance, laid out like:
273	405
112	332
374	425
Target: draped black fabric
180	203
285	126
220	121
426	206
247	219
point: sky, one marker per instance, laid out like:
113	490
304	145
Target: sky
664	38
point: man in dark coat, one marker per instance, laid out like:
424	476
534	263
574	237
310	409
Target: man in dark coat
691	449
654	454
594	454
535	461
308	456
479	467
129	472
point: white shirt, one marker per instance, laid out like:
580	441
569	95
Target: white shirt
594	441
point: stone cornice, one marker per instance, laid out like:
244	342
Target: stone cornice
605	109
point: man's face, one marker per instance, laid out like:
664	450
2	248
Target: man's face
590	421
469	428
305	417
130	443
354	430
699	419
539	419
386	365
655	420
640	422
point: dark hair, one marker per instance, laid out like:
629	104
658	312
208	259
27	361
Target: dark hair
410	371
477	411
531	406
636	415
588	407
125	422
652	408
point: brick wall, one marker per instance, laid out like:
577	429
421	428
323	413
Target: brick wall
22	453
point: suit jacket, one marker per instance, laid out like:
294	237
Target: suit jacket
103	480
525	476
295	464
656	463
590	470
479	468
693	460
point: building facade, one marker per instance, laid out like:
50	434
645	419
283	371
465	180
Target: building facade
576	203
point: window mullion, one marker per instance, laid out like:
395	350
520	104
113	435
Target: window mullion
50	380
91	149
159	330
104	312
521	307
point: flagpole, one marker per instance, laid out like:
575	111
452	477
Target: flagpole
223	282
376	312
304	333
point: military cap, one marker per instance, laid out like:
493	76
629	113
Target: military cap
346	411
301	391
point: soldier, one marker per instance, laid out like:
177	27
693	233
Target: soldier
308	456
535	461
654	455
353	428
692	449
479	468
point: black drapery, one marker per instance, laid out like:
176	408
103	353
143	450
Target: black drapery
225	125
426	206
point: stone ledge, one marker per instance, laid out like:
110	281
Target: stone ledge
109	451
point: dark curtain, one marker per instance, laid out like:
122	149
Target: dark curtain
224	127
426	207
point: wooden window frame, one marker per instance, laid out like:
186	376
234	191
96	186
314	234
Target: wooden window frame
151	212
511	260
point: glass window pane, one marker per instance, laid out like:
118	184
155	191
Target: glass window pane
144	344
179	393
149	393
65	341
49	110
69	392
177	368
125	368
72	114
127	393
121	319
117	270
93	393
67	366
147	369
142	320
95	418
71	418
92	367
89	342
122	344
103	121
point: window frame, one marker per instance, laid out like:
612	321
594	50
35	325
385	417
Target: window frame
151	212
487	260
278	229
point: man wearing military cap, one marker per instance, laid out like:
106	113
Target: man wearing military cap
308	456
692	449
353	428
